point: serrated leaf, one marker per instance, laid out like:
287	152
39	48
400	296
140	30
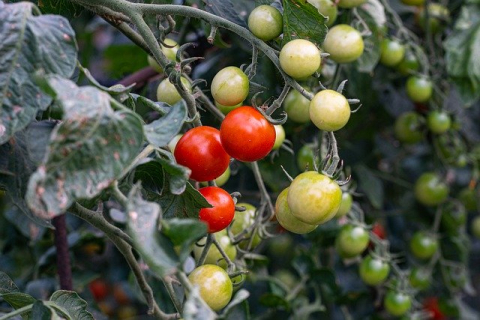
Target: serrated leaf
185	205
184	233
155	248
195	308
6	284
29	43
62	7
224	9
71	303
88	151
302	20
462	47
370	185
160	132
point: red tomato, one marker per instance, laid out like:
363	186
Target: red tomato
201	151
99	289
379	230
220	216
246	135
431	305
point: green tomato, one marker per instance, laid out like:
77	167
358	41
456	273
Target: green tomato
305	157
392	52
230	86
279	136
343	43
351	241
300	58
286	277
419	89
408	127
423	245
286	219
409	64
439	16
420	278
213	255
173	143
296	106
468	198
430	190
244	220
397	303
345	205
225	110
329	110
413	2
215	286
314	198
373	271
475	228
327	9
350	3
454	218
166	91
265	22
170	53
221	180
439	122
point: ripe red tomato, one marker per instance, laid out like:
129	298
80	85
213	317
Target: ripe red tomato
246	135
201	151
99	289
431	305
221	214
379	230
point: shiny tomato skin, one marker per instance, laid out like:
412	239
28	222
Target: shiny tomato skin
423	245
343	43
223	208
300	58
246	135
397	303
200	150
373	271
430	189
351	241
287	219
329	110
296	106
215	286
265	22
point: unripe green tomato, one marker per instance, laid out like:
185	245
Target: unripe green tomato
468	198
314	198
225	110
221	180
329	110
409	64
408	127
166	91
305	158
327	9
397	303
373	271
351	241
300	58
475	228
419	89
439	17
286	277
413	2
438	122
350	3
213	255
265	22
242	221
343	43
286	219
170	53
296	106
279	136
420	278
345	205
454	218
173	143
392	52
430	189
423	245
215	285
230	86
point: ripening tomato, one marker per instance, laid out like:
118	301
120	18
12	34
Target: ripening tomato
170	53
423	245
246	135
265	22
408	127
343	43
300	58
201	150
230	86
287	219
166	91
392	52
223	208
433	308
215	286
430	189
99	289
329	110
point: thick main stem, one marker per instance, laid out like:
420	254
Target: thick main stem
64	269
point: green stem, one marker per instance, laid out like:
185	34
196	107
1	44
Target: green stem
208	243
17	312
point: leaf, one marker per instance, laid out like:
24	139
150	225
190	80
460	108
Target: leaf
6	284
302	20
186	205
62	7
43	312
88	151
27	227
271	300
462	47
160	132
29	43
224	9
195	308
184	233
71	303
18	299
239	297
37	138
155	248
370	185
177	176
156	172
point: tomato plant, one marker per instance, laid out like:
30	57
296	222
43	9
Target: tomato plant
373	271
213	255
286	219
430	189
300	58
201	150
258	135
351	241
223	209
392	52
423	245
265	22
397	303
230	86
329	110
343	43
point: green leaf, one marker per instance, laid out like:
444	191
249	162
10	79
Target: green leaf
88	151
186	205
156	172
29	43
177	176
37	139
155	248
302	20
18	299
27	227
160	132
6	284
184	233
124	59
71	304
462	48
224	9
42	312
370	185
195	308
239	297
271	300
62	7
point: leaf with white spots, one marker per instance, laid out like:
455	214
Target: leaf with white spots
29	43
88	151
